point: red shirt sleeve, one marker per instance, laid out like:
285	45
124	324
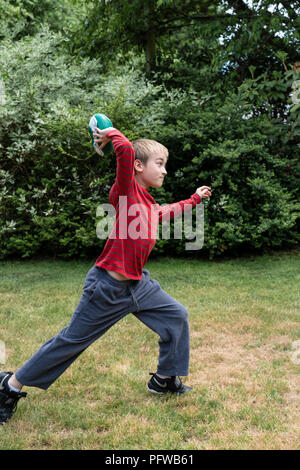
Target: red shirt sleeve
172	210
125	162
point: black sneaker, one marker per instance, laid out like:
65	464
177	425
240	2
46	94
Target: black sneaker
8	398
159	385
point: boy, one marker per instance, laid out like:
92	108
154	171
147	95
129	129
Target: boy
117	284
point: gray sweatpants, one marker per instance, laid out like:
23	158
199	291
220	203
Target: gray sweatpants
104	301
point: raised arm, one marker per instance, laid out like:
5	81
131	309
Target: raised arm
125	157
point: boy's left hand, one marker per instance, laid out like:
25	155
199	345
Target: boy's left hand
204	191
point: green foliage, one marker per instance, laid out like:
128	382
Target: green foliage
226	108
114	26
19	18
50	184
246	157
51	179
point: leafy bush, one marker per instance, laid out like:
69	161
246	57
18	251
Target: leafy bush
52	182
19	18
51	179
250	160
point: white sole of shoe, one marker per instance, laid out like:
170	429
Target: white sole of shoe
154	391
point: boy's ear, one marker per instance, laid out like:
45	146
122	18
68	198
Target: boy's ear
138	166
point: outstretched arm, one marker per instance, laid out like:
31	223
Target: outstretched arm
172	210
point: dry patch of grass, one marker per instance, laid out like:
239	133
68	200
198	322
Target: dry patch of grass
257	384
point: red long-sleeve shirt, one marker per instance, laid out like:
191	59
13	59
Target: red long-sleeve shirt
137	215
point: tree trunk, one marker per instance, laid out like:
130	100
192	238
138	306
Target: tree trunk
150	52
150	48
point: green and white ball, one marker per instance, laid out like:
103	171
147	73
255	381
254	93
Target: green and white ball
102	122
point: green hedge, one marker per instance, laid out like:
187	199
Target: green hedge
51	181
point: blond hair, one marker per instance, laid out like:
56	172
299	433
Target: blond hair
143	148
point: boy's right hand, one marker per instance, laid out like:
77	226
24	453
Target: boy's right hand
100	136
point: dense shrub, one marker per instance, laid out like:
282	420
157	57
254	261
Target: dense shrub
250	161
52	182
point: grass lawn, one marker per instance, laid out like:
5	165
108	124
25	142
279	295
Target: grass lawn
244	370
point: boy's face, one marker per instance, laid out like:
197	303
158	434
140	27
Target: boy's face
153	173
